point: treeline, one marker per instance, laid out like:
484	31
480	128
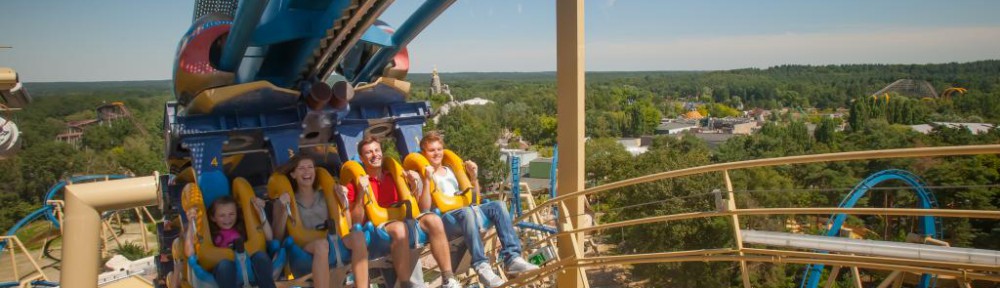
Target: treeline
616	99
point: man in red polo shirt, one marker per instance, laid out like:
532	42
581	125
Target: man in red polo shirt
386	194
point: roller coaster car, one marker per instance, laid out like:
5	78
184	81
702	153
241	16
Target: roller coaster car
300	261
194	71
447	204
405	210
207	255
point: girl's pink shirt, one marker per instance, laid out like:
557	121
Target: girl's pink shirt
226	237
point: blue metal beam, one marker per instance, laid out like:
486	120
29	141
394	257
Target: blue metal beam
543	228
928	225
246	20
406	32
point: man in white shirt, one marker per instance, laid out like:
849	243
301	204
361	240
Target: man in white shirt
432	147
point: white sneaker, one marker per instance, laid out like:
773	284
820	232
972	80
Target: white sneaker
451	283
518	266
487	277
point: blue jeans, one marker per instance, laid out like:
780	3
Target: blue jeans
226	275
496	212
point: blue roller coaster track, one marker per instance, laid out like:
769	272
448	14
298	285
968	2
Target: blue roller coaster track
929	225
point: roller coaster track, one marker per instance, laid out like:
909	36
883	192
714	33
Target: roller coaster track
962	271
929	225
48	210
344	34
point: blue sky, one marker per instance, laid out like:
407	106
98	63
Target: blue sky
103	40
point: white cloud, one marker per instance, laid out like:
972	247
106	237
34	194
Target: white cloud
611	3
520	8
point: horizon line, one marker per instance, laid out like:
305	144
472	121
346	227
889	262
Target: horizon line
588	71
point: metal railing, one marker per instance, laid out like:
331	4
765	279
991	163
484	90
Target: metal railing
963	272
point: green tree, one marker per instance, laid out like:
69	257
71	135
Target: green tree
473	137
826	131
667	197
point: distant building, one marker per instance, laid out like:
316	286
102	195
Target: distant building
540	168
975	128
744	126
757	114
634	146
526	156
675	127
73	133
713	139
693	115
107	114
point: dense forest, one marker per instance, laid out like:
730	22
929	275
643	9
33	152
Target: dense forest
626	104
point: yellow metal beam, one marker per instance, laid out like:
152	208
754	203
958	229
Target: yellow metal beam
979	214
730	206
12	242
84	203
801	159
815	259
570	131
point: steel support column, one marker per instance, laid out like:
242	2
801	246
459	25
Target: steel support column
731	206
570	96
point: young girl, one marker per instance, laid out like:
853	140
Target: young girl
226	225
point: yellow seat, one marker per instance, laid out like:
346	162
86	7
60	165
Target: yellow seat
207	253
468	197
180	265
279	184
352	172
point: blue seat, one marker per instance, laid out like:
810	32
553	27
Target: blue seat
207	255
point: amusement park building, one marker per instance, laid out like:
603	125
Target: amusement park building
975	128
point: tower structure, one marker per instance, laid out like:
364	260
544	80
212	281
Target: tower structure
438	88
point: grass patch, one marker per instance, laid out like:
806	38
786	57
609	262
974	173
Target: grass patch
132	251
34	234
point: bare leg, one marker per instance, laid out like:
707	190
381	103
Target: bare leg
359	257
172	280
400	249
320	250
439	242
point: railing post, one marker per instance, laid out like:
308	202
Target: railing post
731	206
857	277
33	263
13	257
830	280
